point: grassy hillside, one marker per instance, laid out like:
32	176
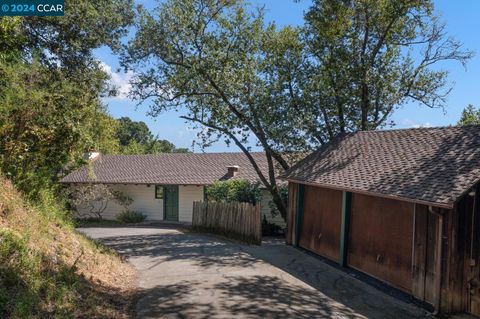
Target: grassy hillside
47	269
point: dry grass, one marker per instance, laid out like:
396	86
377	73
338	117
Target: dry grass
46	258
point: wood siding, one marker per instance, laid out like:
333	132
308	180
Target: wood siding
425	268
242	221
461	262
380	239
432	253
321	221
291	209
454	289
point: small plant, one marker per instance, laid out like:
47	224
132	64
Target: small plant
270	229
94	198
130	216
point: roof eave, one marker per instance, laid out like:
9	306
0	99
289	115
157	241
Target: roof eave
130	183
141	183
353	190
466	191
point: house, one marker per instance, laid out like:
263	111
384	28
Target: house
164	186
401	206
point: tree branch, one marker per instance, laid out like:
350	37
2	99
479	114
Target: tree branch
237	142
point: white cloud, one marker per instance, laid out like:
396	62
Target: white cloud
121	81
414	124
187	132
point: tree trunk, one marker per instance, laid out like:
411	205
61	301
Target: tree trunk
277	200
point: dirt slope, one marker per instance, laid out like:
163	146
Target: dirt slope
47	269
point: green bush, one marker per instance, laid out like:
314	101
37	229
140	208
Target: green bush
283	189
270	229
130	216
234	191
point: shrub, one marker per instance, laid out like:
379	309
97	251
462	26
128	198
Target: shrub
234	191
283	190
95	199
270	229
130	216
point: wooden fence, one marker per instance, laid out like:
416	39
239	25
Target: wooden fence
237	220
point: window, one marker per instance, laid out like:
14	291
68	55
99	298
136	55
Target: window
158	191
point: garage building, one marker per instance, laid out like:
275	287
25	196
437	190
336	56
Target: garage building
398	205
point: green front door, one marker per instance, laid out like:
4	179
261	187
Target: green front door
170	202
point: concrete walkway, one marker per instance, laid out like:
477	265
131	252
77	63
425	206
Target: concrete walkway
189	275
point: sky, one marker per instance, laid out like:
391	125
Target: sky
462	22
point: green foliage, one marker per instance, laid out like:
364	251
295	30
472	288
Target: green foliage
368	57
51	203
129	131
283	191
470	115
51	88
87	25
45	263
130	216
136	138
46	122
232	74
270	229
10	38
289	90
28	288
16	297
234	191
50	114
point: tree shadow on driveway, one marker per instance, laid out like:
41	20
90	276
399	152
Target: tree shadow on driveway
191	275
203	250
240	297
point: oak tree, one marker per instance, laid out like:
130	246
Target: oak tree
370	57
288	90
227	70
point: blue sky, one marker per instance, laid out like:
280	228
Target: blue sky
462	23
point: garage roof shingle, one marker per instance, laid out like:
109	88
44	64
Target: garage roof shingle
433	165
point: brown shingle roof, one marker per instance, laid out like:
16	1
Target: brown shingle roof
167	168
432	165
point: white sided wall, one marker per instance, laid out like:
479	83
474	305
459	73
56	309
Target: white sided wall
143	201
265	209
187	195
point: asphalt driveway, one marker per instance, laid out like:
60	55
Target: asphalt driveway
190	275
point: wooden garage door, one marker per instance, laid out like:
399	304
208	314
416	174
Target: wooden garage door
380	241
321	222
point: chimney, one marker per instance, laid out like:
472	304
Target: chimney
89	156
232	171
